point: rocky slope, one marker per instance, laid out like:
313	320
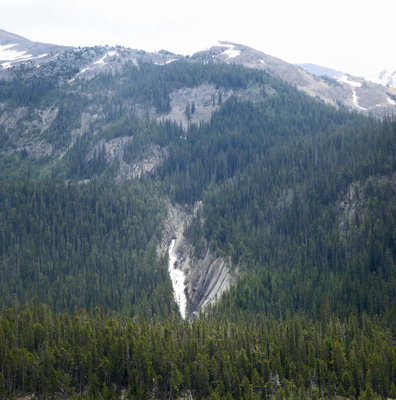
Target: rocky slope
206	275
48	66
370	98
16	49
63	106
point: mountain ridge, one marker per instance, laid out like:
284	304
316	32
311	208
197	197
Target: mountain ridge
276	208
15	49
372	98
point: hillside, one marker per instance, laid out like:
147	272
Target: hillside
279	208
352	92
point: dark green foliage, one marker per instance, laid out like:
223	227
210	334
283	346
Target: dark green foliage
83	162
297	234
24	92
66	120
149	84
99	355
299	196
83	245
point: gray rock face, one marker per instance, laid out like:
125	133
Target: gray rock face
207	280
207	277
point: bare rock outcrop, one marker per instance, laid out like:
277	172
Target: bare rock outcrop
206	277
207	280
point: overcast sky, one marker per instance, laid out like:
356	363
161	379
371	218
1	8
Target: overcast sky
355	36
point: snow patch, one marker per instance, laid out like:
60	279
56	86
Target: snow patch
100	62
351	83
12	56
354	85
356	100
216	44
167	62
393	102
386	78
231	53
262	61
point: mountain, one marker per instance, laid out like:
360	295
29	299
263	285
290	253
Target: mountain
133	184
15	49
387	78
354	92
365	96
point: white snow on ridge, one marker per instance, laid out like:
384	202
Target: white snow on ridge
393	102
100	62
384	78
167	62
216	44
231	53
12	56
354	85
387	77
355	100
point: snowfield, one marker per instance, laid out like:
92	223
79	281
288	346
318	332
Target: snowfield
12	56
231	53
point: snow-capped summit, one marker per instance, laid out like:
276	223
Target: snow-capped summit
15	49
387	77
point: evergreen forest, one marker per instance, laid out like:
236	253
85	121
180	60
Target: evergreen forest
299	196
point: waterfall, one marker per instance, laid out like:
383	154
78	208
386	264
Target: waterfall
177	277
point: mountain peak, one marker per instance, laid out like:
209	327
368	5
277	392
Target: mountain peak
387	77
15	49
369	97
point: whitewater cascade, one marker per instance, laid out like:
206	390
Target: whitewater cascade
177	277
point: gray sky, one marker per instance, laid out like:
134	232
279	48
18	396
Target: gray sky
356	36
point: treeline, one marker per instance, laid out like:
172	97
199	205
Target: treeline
149	84
242	134
93	355
89	245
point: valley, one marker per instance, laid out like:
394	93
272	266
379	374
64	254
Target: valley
214	226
